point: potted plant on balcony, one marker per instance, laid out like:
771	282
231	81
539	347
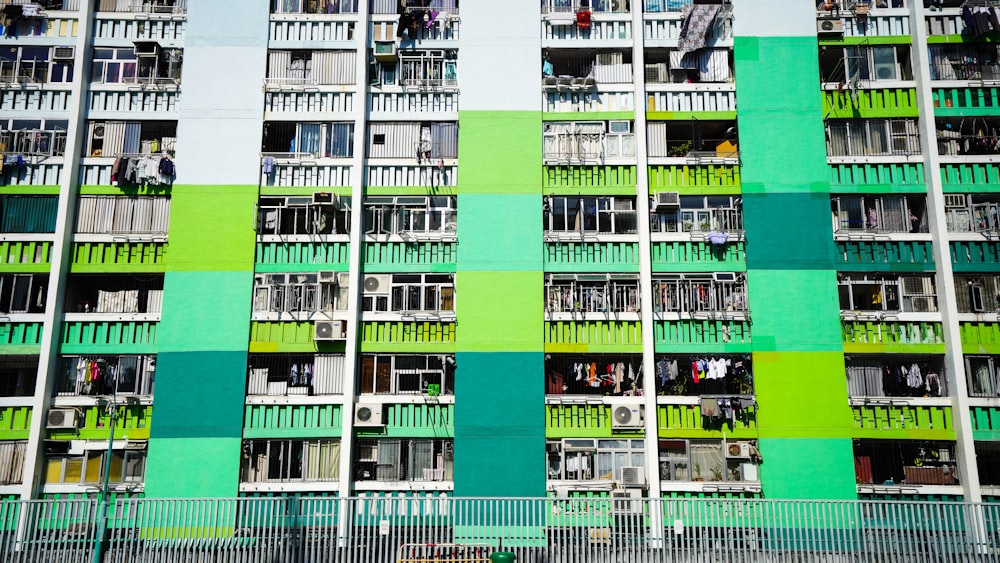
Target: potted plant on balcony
717	473
697	472
682	149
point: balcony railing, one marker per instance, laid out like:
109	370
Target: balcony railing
143	6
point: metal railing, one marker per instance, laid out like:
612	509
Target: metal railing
143	6
564	530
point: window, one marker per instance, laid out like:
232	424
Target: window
106	375
12	462
893	214
699	214
18	375
977	293
962	62
988	460
608	215
896	376
981	373
118	293
909	462
311	67
383	374
303	216
591	293
697	141
295	374
571	142
428	142
284	461
886	292
152	6
23	293
588	459
299	293
127	466
705	375
130	138
33	137
387	215
409	293
593	374
708	460
858	67
146	63
35	65
596	6
428	69
872	137
697	293
404	460
977	213
314	6
316	140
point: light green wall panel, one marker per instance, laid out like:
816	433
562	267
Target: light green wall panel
500	152
499	311
807	468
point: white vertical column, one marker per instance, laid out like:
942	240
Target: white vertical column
351	347
645	269
61	254
954	361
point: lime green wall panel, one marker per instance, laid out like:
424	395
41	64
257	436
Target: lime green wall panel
212	228
500	152
499	311
803	394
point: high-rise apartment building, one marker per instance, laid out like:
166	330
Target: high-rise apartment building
738	248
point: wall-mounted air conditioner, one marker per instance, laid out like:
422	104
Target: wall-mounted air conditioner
626	416
377	284
633	476
667	200
831	26
61	419
329	330
739	450
368	415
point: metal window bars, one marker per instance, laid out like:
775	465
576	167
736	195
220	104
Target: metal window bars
706	293
33	142
287	461
591	293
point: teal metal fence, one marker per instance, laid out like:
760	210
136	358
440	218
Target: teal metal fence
548	530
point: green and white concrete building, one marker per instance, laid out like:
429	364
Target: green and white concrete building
737	249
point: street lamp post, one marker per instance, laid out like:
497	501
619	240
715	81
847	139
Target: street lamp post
102	506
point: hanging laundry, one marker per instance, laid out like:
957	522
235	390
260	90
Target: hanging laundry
709	407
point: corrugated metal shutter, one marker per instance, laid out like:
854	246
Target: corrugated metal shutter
85	212
384	6
12	462
400	140
29	214
444	137
864	379
122	219
334	67
142	215
154	301
656	138
837	144
257	384
389	467
104	212
328	375
278	64
114	138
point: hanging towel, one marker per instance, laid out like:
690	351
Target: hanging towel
709	408
698	20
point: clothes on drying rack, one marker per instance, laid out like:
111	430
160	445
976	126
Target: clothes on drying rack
143	171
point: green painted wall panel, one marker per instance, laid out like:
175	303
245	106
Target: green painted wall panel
822	470
499	424
497	154
789	231
204	239
776	327
499	311
193	467
500	232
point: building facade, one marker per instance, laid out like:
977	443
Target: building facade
371	247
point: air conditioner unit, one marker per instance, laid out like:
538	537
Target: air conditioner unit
626	501
633	476
656	72
885	71
626	416
954	200
724	276
385	51
343	279
329	330
619	127
146	48
377	284
667	199
63	53
610	58
61	419
324	198
830	26
368	415
739	450
99	131
327	276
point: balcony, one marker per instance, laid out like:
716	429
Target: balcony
897	376
103	375
602	375
275	464
412	376
293	376
694	142
410	219
150	8
897	466
409	463
664	22
588	143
